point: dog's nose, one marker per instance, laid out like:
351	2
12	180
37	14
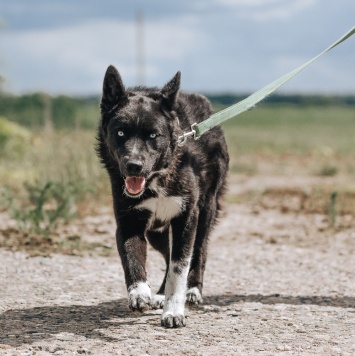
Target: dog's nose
134	167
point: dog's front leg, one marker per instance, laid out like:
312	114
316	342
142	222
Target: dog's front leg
181	246
132	248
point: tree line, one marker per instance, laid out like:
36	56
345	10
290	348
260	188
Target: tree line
38	109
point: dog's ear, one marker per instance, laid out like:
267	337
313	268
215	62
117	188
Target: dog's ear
113	90
170	90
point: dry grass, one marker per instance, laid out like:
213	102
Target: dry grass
282	141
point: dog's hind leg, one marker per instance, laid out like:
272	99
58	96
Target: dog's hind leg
160	242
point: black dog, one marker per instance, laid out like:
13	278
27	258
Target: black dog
162	192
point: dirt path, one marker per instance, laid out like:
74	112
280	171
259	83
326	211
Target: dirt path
276	283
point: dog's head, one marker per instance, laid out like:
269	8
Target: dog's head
139	128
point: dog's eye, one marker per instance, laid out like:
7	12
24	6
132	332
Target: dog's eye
120	133
153	135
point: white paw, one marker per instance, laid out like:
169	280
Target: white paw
193	296
139	297
158	301
173	321
175	296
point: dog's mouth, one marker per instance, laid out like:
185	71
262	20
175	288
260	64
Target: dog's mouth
135	185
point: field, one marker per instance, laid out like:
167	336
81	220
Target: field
322	135
280	272
50	176
279	140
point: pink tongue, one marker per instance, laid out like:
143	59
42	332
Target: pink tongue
135	185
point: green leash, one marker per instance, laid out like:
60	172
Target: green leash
216	119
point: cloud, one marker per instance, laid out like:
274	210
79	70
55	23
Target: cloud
247	3
84	50
267	10
63	54
219	45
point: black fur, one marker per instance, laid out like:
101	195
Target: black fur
137	137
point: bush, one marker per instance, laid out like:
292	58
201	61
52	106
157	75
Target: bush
10	131
44	207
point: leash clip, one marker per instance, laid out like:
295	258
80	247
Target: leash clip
183	138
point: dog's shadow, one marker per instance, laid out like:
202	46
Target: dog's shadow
26	326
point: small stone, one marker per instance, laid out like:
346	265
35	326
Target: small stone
337	350
26	353
4	346
65	337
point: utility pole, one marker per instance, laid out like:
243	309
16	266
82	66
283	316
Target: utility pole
140	48
47	112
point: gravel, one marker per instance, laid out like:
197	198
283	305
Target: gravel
275	284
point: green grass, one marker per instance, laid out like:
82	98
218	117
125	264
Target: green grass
44	206
314	140
321	137
53	178
290	140
296	130
64	156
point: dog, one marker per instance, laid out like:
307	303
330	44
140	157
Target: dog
163	193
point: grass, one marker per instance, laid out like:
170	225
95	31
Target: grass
317	140
65	157
269	140
311	200
321	138
44	206
52	178
297	130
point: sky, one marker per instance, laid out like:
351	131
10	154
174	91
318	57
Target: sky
220	46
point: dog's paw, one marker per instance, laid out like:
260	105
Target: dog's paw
173	321
158	301
193	296
139	297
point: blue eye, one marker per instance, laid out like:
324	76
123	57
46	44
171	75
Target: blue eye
120	133
153	135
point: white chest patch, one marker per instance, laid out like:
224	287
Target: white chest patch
163	208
